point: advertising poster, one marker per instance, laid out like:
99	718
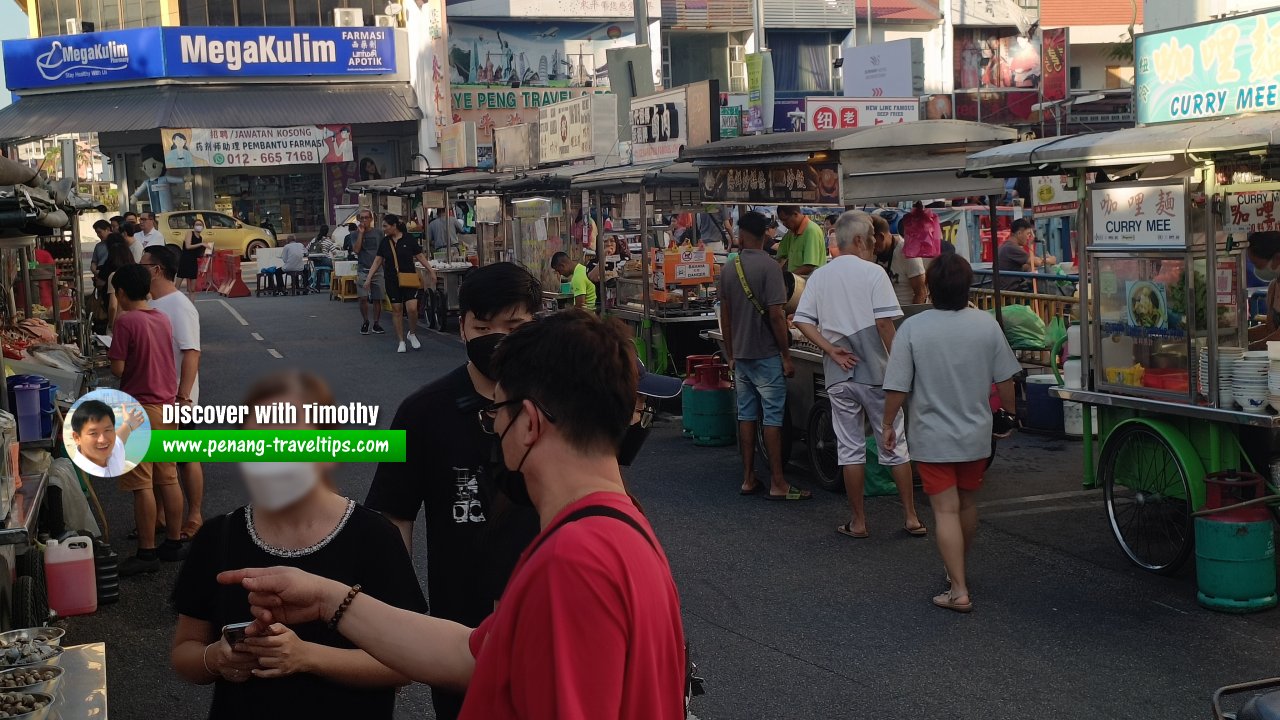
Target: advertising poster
500	73
256	147
753	115
997	59
883	70
997	108
1055	81
788	115
832	113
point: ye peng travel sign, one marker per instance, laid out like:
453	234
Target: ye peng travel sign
193	52
1139	214
1215	69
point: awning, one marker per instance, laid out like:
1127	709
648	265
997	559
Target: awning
923	132
553	179
1171	143
229	106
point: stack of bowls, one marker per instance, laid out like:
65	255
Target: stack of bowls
1202	373
1273	377
1250	379
1227	357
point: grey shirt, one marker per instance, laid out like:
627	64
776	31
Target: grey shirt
368	251
948	360
100	253
752	335
439	231
1012	257
711	227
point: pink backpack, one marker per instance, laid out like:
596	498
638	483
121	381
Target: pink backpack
922	233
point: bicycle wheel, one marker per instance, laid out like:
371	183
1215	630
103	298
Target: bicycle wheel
1146	484
823	453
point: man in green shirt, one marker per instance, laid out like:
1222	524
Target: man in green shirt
804	248
584	291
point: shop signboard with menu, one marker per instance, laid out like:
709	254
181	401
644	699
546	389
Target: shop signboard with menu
839	113
1050	195
780	184
1150	214
458	145
577	129
1249	212
515	147
256	147
663	123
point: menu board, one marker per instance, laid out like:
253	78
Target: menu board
1139	214
783	184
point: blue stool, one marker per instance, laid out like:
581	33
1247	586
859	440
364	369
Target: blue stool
323	276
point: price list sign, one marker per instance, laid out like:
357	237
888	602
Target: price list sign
785	184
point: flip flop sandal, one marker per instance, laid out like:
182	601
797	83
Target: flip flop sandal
189	531
847	529
794	493
752	491
920	531
946	602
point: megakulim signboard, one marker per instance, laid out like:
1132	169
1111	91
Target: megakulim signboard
193	52
1214	69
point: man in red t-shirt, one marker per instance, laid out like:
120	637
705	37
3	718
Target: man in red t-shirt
589	626
141	356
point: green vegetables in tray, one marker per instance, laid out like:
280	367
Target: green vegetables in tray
1178	300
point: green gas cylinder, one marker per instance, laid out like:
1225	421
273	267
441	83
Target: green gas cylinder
1235	549
691	364
713	412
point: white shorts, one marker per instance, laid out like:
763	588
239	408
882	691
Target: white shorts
851	404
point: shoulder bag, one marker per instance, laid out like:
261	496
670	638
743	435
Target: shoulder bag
404	279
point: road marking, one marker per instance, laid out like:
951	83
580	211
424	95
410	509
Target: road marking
272	352
233	312
1039	510
1038	498
256	336
1170	607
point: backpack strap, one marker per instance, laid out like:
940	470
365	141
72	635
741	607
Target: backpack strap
595	511
742	278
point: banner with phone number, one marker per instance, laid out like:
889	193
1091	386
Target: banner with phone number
256	147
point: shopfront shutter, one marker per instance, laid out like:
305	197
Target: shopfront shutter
809	14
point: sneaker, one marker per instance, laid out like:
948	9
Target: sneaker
173	551
400	349
413	340
136	566
364	329
377	330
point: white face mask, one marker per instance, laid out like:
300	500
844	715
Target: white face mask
277	485
198	228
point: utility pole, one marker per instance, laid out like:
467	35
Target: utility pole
869	40
757	19
642	21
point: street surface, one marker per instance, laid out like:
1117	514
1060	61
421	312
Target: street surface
787	618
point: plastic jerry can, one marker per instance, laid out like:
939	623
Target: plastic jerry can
69	574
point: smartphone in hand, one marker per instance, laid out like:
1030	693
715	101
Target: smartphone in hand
234	633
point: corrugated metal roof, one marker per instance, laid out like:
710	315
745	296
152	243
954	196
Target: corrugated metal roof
228	106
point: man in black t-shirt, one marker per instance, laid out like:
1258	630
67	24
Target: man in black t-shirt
474	534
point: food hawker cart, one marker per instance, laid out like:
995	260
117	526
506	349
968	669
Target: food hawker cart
1164	214
842	168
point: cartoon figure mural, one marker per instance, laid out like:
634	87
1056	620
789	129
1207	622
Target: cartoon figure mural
156	189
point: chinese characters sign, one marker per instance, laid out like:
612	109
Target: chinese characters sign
256	147
1128	214
1049	195
577	129
790	184
1212	70
1249	212
837	113
659	126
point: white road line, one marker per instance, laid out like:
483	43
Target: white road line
233	312
256	336
1038	498
1039	510
273	353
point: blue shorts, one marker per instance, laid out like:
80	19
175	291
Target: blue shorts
759	384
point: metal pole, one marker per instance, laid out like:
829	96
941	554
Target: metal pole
869	40
757	23
642	21
995	258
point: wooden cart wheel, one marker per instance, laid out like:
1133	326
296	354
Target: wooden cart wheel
26	612
1146	470
823	451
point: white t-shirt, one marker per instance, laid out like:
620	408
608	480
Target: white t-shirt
136	248
185	320
844	298
147	239
116	464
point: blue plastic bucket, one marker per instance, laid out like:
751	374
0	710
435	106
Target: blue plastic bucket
27	409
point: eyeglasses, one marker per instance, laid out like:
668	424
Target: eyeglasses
489	414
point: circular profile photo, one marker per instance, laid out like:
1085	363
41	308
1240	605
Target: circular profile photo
106	433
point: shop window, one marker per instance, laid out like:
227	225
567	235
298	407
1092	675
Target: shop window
221	13
278	12
252	13
180	221
1075	77
193	12
307	13
801	61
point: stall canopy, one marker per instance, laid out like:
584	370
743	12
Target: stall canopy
881	163
549	180
633	178
206	106
1176	144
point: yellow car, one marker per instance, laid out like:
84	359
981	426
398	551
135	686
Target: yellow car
224	231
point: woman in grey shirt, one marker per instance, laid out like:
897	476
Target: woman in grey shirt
948	408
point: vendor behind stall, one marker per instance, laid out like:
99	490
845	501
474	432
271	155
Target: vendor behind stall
804	248
584	291
1018	254
1264	253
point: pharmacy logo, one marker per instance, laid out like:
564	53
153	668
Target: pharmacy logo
97	59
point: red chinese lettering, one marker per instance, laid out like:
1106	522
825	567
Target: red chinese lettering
1165	203
1135	203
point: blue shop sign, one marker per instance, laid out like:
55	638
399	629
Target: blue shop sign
192	52
278	52
83	59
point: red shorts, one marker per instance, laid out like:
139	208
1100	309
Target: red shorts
940	477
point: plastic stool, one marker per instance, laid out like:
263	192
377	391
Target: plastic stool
293	283
323	277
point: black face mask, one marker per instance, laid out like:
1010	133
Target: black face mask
480	352
509	482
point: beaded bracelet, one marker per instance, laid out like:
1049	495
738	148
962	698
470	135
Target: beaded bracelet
337	616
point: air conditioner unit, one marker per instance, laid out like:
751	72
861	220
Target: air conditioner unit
348	17
73	26
384	20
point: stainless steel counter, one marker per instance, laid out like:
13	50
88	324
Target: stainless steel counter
1198	412
83	692
637	316
20	526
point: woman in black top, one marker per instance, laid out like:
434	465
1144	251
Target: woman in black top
118	255
397	254
193	248
295	519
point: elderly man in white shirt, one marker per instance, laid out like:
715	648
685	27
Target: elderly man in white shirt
150	235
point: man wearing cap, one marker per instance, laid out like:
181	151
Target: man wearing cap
753	299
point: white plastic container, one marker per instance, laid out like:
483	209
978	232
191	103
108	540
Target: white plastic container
69	575
1073	341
